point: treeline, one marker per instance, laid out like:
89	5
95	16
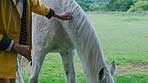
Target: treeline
115	5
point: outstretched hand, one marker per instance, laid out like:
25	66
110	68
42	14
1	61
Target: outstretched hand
64	16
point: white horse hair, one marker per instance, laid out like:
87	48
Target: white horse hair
64	37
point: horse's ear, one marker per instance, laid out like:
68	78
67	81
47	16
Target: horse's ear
102	73
112	68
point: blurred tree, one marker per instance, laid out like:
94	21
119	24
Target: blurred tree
139	6
113	5
119	5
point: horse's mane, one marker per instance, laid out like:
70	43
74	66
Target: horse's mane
85	39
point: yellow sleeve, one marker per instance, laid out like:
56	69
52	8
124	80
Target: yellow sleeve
1	37
39	8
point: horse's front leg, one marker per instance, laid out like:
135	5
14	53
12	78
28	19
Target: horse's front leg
68	63
19	78
37	60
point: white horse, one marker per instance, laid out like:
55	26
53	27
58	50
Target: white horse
64	37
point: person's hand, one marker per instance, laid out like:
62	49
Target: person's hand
64	16
23	50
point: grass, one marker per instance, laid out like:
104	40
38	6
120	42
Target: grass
123	37
131	78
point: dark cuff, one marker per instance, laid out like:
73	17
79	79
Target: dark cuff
5	42
50	14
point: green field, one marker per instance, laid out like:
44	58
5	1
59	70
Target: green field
123	37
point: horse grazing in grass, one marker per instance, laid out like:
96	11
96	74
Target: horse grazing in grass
64	37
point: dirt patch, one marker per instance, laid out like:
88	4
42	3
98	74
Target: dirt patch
144	37
121	71
143	65
140	67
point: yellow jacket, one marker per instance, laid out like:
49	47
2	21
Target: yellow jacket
10	30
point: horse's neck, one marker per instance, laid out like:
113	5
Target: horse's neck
85	39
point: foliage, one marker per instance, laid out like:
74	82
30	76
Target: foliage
115	5
119	5
97	6
139	6
91	6
84	5
112	5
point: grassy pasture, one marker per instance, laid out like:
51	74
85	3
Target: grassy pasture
123	37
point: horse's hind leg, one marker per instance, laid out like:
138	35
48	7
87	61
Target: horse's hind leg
68	63
37	60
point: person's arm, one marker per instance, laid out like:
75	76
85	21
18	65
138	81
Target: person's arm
44	10
5	43
8	44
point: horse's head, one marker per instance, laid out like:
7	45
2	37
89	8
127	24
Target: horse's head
106	76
